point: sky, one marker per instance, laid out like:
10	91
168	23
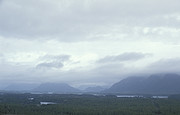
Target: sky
87	42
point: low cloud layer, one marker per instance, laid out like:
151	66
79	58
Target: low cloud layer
49	65
61	58
53	61
166	65
131	56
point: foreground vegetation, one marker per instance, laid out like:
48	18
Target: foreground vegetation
29	104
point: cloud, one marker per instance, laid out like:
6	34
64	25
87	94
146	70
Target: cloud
61	58
33	34
82	20
1	55
130	56
50	65
53	61
1	58
165	65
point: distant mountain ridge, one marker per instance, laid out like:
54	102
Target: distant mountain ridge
95	89
154	84
20	87
61	88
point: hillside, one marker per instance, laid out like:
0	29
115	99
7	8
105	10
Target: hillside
20	87
60	88
154	84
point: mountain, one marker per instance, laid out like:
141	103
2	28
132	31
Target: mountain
95	89
154	84
61	88
20	87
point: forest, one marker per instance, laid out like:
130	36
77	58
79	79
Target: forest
86	104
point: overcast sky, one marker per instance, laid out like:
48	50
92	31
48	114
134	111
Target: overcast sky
87	42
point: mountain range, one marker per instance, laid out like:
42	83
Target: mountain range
21	87
154	84
61	88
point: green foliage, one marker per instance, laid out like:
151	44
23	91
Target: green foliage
86	105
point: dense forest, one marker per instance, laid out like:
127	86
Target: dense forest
67	104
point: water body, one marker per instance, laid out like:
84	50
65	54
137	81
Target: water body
160	97
128	96
140	96
47	103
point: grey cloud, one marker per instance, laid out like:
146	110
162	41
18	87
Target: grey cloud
165	65
1	58
137	8
109	68
76	20
116	71
61	58
110	73
1	55
53	61
106	74
131	56
46	65
12	70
